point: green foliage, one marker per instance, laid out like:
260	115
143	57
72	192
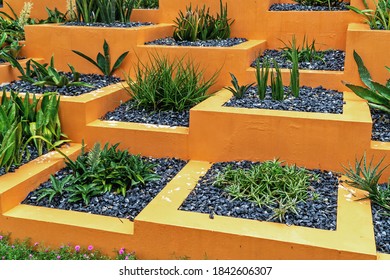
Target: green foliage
366	177
306	53
103	61
323	3
163	86
268	184
12	48
237	90
262	77
294	72
102	170
57	189
106	11
21	120
25	250
378	18
45	75
198	24
377	95
277	88
146	4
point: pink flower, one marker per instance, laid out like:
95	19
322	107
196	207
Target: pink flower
121	251
30	256
90	248
36	244
1	237
77	248
58	257
126	258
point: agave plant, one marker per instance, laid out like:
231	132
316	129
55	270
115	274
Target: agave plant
237	90
377	95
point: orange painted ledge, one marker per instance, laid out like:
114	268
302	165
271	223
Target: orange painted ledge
140	138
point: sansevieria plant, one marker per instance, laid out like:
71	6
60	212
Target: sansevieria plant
377	95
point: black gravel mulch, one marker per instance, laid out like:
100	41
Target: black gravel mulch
285	7
317	99
128	112
380	126
96	81
318	212
111	25
33	155
332	60
381	220
113	204
169	41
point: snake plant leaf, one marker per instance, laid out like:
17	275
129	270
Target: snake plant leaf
367	94
363	71
118	62
382	90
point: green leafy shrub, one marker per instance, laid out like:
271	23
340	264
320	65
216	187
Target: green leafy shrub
146	4
45	74
237	90
22	121
101	170
103	60
163	86
377	95
198	24
269	184
366	177
106	11
378	18
323	3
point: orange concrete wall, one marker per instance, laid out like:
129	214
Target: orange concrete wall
38	11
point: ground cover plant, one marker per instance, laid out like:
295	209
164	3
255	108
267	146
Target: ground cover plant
267	191
25	250
106	181
26	127
378	18
163	89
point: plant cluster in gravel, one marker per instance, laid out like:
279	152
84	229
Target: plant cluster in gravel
111	203
381	228
33	155
96	81
170	41
380	125
317	99
319	211
285	7
110	25
128	112
333	60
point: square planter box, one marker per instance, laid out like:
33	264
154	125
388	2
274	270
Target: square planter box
195	235
89	40
313	140
235	59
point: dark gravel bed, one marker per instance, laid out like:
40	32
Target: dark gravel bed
317	99
380	126
169	41
33	155
381	220
315	213
333	60
97	81
128	112
115	24
284	7
113	204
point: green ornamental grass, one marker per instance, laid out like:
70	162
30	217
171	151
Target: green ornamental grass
161	85
268	184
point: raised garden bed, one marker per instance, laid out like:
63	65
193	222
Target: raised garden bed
285	7
380	126
318	211
381	228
